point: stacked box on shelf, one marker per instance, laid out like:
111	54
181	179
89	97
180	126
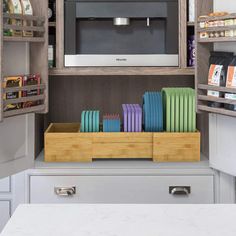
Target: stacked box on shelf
22	94
66	142
32	30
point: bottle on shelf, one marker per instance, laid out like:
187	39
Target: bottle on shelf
52	11
50	56
27	10
191	51
6	32
15	7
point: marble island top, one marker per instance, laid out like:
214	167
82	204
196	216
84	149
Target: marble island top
122	220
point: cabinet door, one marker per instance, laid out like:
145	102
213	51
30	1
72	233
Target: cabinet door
16	144
4	213
222	130
5	185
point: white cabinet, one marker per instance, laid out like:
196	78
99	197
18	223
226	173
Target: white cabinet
4	213
16	144
5	185
222	131
122	189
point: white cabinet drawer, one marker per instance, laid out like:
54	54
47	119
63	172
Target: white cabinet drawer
4	213
120	189
5	185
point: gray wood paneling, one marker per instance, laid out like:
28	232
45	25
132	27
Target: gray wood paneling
70	95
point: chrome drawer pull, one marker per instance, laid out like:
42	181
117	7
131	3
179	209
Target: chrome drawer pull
180	190
65	191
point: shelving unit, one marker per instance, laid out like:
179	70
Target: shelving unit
214	29
37	50
204	47
60	70
218	40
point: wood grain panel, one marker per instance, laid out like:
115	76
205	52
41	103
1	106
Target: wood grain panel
24	111
221	111
122	150
68	147
78	71
23	39
213	18
59	34
25	17
216	40
39	51
69	96
176	147
203	7
216	99
122	138
183	33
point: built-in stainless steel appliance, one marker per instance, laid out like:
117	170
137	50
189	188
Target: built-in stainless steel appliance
121	33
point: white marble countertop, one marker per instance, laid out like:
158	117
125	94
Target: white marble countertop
122	220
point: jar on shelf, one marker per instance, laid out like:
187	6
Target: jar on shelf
15	8
222	33
211	24
221	23
5	7
202	24
52	10
229	22
50	56
203	35
212	35
229	33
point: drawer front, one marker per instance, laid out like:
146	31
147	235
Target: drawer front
5	185
121	189
4	213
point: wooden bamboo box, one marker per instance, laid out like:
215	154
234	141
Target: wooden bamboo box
65	143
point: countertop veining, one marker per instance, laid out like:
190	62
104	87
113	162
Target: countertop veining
122	220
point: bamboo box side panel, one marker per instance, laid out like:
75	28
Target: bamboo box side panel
176	147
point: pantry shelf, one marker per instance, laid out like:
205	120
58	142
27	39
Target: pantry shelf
36	28
217	40
24	39
24	111
122	71
208	25
216	99
216	18
23	88
24	99
216	88
40	19
218	28
221	111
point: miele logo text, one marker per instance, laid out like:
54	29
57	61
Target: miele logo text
121	59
